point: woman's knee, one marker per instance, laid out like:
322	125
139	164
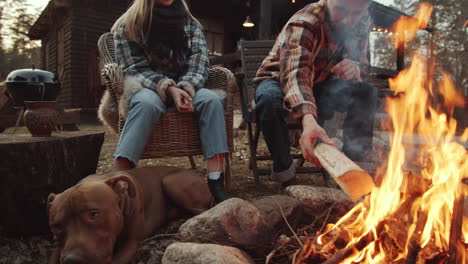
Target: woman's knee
148	101
206	97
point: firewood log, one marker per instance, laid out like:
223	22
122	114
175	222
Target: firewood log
354	181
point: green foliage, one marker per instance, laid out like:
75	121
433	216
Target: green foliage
447	40
19	51
2	50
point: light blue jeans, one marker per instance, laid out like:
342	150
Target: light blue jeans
146	108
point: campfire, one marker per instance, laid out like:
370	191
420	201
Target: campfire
414	214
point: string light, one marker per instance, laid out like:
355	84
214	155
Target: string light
382	31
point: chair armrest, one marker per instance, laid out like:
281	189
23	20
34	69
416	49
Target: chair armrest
223	79
113	78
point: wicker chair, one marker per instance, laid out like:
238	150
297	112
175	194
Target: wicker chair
180	130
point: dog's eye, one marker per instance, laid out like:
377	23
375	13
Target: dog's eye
93	215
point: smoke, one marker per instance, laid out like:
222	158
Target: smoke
358	101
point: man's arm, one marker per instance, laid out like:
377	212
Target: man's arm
311	132
297	55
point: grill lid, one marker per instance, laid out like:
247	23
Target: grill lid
31	76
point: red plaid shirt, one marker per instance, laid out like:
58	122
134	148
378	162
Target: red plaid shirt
305	52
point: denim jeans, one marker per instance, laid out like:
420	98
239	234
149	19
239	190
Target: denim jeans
146	108
358	100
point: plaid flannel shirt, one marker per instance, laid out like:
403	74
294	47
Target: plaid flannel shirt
135	60
305	52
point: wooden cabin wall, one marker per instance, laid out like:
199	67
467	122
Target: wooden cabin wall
66	96
229	13
50	54
89	22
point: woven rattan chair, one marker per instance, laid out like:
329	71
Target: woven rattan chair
180	130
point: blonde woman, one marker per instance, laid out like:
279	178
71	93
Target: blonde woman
163	52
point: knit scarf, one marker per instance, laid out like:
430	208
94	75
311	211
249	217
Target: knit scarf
167	41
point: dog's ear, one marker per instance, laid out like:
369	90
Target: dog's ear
122	184
50	199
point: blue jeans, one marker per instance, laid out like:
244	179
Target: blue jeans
358	100
146	108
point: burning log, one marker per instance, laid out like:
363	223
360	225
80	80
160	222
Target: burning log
456	230
352	249
414	246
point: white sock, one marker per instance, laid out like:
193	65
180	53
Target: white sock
214	175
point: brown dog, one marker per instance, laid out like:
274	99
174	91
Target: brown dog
102	218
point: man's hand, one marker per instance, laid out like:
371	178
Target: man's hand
347	70
181	98
310	134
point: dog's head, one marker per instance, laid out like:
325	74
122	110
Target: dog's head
87	219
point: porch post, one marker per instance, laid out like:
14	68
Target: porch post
264	31
400	63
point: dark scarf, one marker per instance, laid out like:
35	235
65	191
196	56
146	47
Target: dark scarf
167	41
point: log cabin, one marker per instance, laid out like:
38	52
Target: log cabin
69	30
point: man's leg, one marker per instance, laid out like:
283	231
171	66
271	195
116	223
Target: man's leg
271	118
144	110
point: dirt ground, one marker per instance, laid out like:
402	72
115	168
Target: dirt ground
242	181
28	250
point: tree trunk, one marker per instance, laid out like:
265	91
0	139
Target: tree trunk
33	167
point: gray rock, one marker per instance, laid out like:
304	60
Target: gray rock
191	253
271	207
232	222
317	200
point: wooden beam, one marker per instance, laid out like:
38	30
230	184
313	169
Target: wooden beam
62	3
226	58
265	19
400	56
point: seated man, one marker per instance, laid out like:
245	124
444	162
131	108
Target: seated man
316	67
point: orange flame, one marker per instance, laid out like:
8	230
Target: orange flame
406	27
424	169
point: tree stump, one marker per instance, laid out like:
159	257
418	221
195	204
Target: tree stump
33	167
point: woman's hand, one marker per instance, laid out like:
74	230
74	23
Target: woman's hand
347	70
181	98
310	134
